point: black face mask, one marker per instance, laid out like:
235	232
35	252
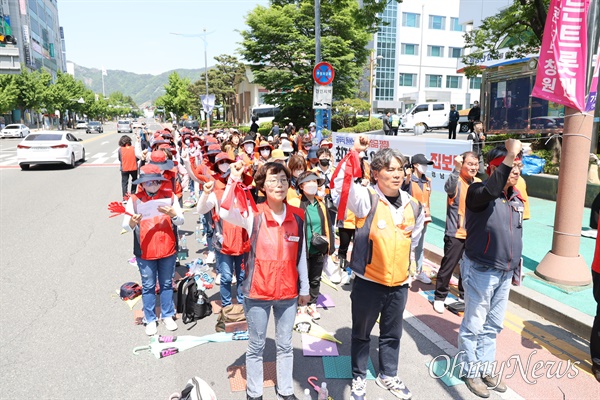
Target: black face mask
324	162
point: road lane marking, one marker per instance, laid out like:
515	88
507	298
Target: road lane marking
101	160
98	155
105	142
6	155
7	162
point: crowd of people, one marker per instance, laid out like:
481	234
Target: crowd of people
271	208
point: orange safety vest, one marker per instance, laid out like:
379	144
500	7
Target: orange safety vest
381	251
456	210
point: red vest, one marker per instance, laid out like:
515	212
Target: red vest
128	159
228	238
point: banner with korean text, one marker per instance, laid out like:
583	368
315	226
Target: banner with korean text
440	151
561	74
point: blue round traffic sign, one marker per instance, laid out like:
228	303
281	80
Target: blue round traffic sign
323	73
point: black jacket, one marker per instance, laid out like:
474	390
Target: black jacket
494	222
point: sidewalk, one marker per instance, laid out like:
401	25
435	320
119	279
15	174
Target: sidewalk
569	306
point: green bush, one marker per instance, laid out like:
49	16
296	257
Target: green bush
550	167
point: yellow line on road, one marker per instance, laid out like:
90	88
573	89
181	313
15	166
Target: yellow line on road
555	346
97	137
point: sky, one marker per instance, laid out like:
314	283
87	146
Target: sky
134	35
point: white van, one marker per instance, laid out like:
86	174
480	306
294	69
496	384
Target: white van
433	115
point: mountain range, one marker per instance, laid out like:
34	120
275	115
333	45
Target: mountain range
143	88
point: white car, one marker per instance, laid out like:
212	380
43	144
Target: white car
50	147
81	125
14	130
124	126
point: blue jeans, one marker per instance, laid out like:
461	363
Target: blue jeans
226	264
163	268
420	250
486	297
257	316
208	230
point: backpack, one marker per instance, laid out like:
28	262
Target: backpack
230	313
196	389
192	303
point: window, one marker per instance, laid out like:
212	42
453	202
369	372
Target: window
437	22
455	52
438	107
459	107
408	80
475	83
421	108
433	81
410	49
453	82
411	20
455	26
435	51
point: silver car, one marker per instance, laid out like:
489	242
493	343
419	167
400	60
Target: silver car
124	126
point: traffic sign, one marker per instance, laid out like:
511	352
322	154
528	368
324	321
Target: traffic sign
322	97
323	73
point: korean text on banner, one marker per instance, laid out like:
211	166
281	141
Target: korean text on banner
561	75
590	104
440	151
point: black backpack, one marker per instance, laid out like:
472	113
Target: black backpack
192	303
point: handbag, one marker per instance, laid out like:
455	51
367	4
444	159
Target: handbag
317	241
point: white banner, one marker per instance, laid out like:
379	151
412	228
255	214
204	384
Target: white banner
322	97
440	151
208	102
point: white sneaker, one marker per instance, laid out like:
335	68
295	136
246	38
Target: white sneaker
170	324
151	328
211	258
233	280
218	279
422	276
438	306
450	300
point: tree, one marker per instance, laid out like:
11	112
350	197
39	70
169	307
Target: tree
518	28
178	98
64	94
32	89
8	93
223	80
344	111
280	45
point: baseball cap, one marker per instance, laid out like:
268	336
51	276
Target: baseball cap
420	159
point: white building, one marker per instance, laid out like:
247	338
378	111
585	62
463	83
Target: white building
418	52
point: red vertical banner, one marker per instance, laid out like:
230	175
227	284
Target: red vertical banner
561	74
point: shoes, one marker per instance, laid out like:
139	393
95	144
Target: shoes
133	261
218	279
422	277
394	385
449	300
359	389
438	306
211	258
126	198
248	397
151	328
494	383
288	397
170	324
477	387
301	310
233	280
313	312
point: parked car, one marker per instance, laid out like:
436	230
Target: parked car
50	147
94	126
81	125
193	124
464	120
547	122
14	130
432	115
124	126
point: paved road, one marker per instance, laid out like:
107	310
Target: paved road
65	334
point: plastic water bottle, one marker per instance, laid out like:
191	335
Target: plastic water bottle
323	392
183	243
198	235
306	395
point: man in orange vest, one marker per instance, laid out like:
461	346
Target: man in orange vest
382	259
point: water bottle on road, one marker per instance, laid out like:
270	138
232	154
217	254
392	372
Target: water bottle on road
323	392
306	395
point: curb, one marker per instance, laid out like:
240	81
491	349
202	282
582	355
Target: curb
546	307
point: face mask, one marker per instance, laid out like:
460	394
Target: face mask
301	131
223	167
187	141
249	148
421	168
265	153
324	162
297	173
151	190
310	188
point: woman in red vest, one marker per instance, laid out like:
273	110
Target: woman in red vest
129	165
155	210
276	269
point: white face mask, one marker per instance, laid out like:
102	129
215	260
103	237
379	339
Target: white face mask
249	148
223	167
297	173
310	188
421	168
187	141
265	153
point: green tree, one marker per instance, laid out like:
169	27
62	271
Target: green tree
8	93
345	111
64	94
222	82
32	89
178	98
518	28
280	45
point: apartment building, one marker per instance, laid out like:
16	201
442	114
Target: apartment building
417	50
